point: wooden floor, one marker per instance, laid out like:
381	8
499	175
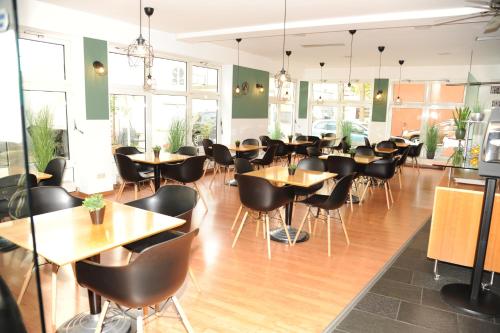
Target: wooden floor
300	289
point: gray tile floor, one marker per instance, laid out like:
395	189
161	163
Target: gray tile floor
406	298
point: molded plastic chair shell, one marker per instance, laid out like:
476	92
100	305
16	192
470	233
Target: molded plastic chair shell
188	150
188	171
260	195
56	169
242	165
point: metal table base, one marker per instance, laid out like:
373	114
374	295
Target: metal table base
115	322
279	235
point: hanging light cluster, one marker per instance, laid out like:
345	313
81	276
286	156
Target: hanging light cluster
148	63
282	76
352	32
398	99
237	90
380	93
320	98
140	51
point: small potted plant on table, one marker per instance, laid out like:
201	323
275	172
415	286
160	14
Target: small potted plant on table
431	140
96	206
290	138
156	151
237	143
291	169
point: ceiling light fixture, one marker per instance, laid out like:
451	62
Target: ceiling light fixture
237	89
352	32
98	67
140	48
398	99
149	60
486	38
282	76
379	91
320	99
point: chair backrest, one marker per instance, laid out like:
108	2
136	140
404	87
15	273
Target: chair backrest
341	165
253	153
13	183
155	275
222	155
311	163
313	151
313	139
281	149
381	169
242	165
188	171
126	168
367	142
402	159
339	194
268	157
10	317
344	145
55	168
301	138
172	200
250	142
44	199
260	195
264	139
127	150
364	151
394	139
386	144
208	147
188	150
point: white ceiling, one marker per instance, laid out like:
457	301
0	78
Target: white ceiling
416	46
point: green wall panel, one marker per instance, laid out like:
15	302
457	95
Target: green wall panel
96	86
254	104
303	99
379	110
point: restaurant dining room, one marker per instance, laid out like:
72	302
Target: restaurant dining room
249	166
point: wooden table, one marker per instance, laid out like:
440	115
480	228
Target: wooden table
66	236
303	178
150	159
244	148
386	150
39	175
292	146
402	144
359	159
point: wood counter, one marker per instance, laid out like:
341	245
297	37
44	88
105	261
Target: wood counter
455	223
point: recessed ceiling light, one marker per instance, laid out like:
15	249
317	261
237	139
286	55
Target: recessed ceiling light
486	38
323	45
443	53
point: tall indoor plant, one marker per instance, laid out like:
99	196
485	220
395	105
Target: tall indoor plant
431	140
43	138
346	126
176	135
276	133
460	117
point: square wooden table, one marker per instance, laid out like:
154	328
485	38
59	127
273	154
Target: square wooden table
386	150
359	159
39	175
245	148
149	159
402	144
292	147
303	178
66	236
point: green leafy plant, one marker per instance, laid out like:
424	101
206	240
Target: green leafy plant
290	138
477	108
276	133
431	138
156	148
461	116
237	143
176	135
292	166
457	158
43	138
94	202
346	127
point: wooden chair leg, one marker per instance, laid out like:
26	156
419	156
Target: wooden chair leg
236	218
216	168
201	196
140	322
343	228
301	225
329	234
55	269
390	192
387	195
129	257
268	236
364	192
152	186
350	200
285	227
399	177
182	314
257	225
120	191
102	316
193	278
136	190
239	229
26	282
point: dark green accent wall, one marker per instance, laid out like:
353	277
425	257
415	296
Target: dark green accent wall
303	99
96	86
379	110
254	104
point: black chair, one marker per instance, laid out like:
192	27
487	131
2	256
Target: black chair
329	135
188	171
259	195
9	185
250	155
242	165
302	149
385	144
311	164
367	142
44	199
268	157
343	146
397	140
414	153
55	168
154	276
10	317
264	140
222	159
209	153
188	150
342	166
130	150
364	151
334	201
130	175
382	170
281	150
400	163
313	151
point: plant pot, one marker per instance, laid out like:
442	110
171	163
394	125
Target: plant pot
460	133
97	216
237	144
291	172
157	154
477	116
431	154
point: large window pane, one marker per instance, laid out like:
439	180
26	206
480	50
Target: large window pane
204	120
324	119
128	120
327	91
357	114
121	73
55	103
204	79
41	60
409	92
441	93
165	109
406	122
169	74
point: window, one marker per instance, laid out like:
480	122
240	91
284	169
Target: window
409	92
165	109
281	109
41	60
169	74
204	79
203	120
327	91
441	93
120	73
128	120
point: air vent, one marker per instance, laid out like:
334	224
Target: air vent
323	45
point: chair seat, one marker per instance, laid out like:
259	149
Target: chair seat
141	245
301	191
316	200
258	161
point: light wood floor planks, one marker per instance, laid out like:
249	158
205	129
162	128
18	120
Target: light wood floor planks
300	289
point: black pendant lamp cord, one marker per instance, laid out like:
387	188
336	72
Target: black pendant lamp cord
284	36
149	41
379	67
140	17
399	84
238	71
350	57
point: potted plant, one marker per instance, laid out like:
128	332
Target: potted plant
460	117
96	206
156	151
176	135
291	169
290	138
237	143
477	113
457	158
43	137
431	140
276	133
347	131
323	135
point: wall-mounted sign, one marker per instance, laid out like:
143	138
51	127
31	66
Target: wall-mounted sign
4	20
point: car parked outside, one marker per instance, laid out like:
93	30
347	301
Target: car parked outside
359	131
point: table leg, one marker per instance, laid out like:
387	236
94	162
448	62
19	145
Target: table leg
157	175
234	182
279	234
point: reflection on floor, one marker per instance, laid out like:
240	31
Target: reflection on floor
407	298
